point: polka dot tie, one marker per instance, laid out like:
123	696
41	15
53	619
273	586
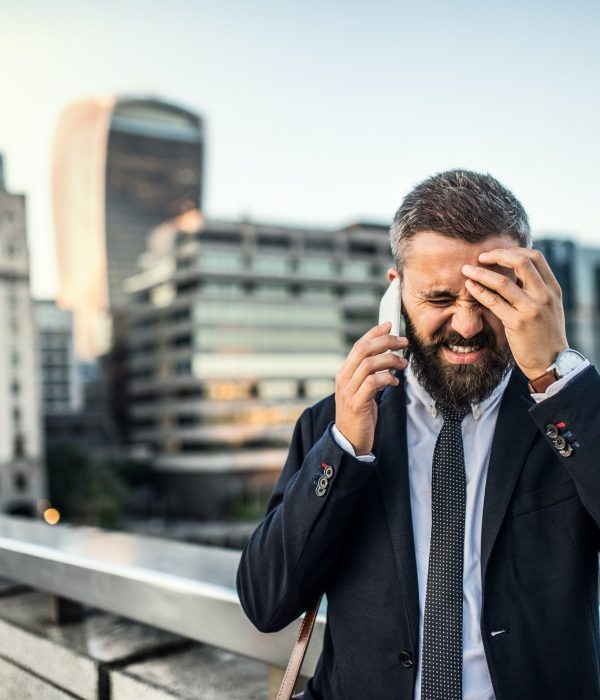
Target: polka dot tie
441	675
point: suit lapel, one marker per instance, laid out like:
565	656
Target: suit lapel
515	431
392	472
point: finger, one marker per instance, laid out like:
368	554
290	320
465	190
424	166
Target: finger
367	347
355	353
501	284
372	365
518	260
372	384
529	264
372	343
492	301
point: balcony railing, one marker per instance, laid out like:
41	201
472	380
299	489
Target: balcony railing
182	588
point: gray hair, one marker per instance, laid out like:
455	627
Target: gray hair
459	204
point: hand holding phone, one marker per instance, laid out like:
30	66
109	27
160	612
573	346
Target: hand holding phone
363	374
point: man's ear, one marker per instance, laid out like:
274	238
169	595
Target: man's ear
392	273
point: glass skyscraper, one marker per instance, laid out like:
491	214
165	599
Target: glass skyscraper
121	167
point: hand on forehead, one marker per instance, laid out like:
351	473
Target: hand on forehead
434	262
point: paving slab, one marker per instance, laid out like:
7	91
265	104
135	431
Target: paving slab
15	683
73	656
200	673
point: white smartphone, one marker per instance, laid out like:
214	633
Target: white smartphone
390	309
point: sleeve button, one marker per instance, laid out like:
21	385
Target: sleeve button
560	442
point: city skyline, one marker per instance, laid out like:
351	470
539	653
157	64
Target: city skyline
322	115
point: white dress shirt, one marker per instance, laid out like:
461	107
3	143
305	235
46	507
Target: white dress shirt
423	426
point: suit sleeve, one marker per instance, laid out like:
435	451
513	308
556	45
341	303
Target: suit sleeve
570	422
286	563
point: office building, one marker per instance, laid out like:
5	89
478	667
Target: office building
60	383
121	166
577	269
22	479
73	396
235	327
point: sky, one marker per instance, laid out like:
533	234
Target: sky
321	113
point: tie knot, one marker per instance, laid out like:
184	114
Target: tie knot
451	414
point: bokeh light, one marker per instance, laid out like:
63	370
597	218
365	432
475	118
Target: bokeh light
51	516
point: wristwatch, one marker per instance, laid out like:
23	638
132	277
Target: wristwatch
566	361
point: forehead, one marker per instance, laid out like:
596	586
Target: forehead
433	259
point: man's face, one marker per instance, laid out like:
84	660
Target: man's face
443	320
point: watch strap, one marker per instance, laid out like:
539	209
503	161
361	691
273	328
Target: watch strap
540	384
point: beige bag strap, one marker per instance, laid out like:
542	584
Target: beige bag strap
298	652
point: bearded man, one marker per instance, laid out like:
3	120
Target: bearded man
456	536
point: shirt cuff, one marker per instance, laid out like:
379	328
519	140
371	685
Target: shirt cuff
347	446
559	384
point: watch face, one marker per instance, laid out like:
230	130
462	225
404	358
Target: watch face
567	361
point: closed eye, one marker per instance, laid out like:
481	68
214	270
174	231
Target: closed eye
441	302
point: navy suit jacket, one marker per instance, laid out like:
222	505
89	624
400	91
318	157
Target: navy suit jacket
539	551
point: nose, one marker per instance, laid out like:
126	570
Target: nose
467	321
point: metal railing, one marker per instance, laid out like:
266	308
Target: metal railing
182	588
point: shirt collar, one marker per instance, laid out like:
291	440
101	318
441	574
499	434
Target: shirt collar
416	392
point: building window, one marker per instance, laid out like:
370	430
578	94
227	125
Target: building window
226	290
183	367
20	482
227	390
272	291
318	244
273	241
19	445
365	316
316	267
220	238
362	248
362	295
223	339
267	314
272	264
221	262
318	388
357	269
278	389
188	421
313	292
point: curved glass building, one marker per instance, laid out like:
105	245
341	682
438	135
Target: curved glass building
121	166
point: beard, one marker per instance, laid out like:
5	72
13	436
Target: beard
457	385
